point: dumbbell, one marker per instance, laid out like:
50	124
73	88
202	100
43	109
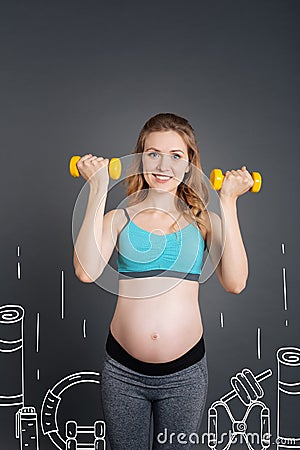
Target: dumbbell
216	178
73	430
247	386
114	167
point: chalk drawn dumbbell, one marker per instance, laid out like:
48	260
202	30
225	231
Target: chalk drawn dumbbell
247	386
248	389
73	430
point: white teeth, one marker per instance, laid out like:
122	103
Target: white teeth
160	177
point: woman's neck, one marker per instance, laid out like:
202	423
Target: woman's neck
159	199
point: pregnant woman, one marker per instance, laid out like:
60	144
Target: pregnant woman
155	360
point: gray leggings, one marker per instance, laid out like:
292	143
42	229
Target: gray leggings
177	401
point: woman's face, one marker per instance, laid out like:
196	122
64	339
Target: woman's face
166	154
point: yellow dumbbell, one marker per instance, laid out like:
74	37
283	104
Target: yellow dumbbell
114	167
216	180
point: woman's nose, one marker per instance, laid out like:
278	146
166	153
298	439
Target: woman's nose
164	162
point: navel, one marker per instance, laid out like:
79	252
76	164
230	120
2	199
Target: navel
155	336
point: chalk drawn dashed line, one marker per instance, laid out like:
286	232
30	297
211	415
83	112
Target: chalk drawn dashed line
37	332
19	270
286	323
258	344
222	320
62	295
18	264
284	287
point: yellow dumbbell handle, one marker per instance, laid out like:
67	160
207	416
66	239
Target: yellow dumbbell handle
114	167
216	179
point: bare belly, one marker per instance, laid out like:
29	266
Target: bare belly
161	326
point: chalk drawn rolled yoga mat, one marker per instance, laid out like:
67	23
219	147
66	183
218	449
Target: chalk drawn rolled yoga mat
11	355
288	398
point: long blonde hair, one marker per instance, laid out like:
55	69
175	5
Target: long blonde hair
192	193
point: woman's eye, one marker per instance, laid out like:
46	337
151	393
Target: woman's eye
154	154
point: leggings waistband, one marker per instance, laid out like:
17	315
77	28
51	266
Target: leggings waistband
117	352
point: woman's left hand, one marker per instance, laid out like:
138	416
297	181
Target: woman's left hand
236	182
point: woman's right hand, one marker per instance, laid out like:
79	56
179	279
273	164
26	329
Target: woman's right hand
89	168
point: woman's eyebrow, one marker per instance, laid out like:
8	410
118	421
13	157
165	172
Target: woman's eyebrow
156	149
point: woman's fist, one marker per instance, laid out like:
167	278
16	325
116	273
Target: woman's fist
236	182
94	169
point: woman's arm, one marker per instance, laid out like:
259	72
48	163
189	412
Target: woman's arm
232	263
88	260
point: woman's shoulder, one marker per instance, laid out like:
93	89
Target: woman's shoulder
206	213
117	217
209	218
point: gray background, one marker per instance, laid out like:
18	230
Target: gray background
83	77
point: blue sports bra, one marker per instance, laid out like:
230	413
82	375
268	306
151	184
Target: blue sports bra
145	254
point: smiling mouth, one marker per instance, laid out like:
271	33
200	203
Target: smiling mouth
161	177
